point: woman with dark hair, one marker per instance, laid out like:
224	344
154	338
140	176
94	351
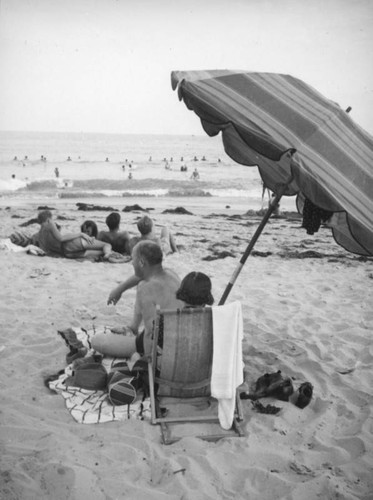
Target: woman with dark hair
89	227
195	290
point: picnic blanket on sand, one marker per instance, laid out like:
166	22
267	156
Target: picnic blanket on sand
93	407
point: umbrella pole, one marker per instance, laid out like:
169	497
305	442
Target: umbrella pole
250	246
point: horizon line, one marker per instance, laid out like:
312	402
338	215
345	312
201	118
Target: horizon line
96	133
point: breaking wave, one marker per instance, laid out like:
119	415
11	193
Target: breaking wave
66	188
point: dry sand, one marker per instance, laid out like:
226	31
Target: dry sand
310	317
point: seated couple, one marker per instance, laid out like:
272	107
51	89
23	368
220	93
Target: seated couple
71	245
156	285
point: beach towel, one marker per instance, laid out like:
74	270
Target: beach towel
227	364
93	407
20	238
7	244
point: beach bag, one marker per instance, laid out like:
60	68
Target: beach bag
137	371
121	389
89	376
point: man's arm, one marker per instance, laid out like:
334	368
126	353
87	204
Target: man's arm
72	236
137	313
66	237
116	293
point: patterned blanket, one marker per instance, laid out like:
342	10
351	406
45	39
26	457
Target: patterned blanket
93	407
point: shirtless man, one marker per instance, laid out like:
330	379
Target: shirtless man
119	240
156	286
166	241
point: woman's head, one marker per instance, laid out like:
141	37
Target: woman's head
89	227
195	289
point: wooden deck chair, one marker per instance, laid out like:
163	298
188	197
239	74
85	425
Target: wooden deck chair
179	377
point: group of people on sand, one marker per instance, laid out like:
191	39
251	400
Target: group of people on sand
159	286
156	285
113	245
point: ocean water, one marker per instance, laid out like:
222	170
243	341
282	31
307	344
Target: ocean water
56	147
112	165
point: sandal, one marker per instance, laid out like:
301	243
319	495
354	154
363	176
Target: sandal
70	338
303	395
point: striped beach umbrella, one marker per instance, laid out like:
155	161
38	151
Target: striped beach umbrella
303	144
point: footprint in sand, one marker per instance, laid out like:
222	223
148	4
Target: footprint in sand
38	273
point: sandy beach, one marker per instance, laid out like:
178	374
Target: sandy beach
201	115
307	309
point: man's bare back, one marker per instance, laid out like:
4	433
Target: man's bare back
118	240
158	290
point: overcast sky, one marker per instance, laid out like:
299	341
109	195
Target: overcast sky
104	65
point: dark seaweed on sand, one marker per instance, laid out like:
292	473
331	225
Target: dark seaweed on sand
134	208
219	255
177	210
90	207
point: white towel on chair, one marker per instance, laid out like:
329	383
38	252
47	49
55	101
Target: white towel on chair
227	364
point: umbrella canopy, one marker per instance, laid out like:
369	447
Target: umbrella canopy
302	143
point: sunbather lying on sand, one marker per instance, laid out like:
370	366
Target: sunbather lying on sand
70	245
